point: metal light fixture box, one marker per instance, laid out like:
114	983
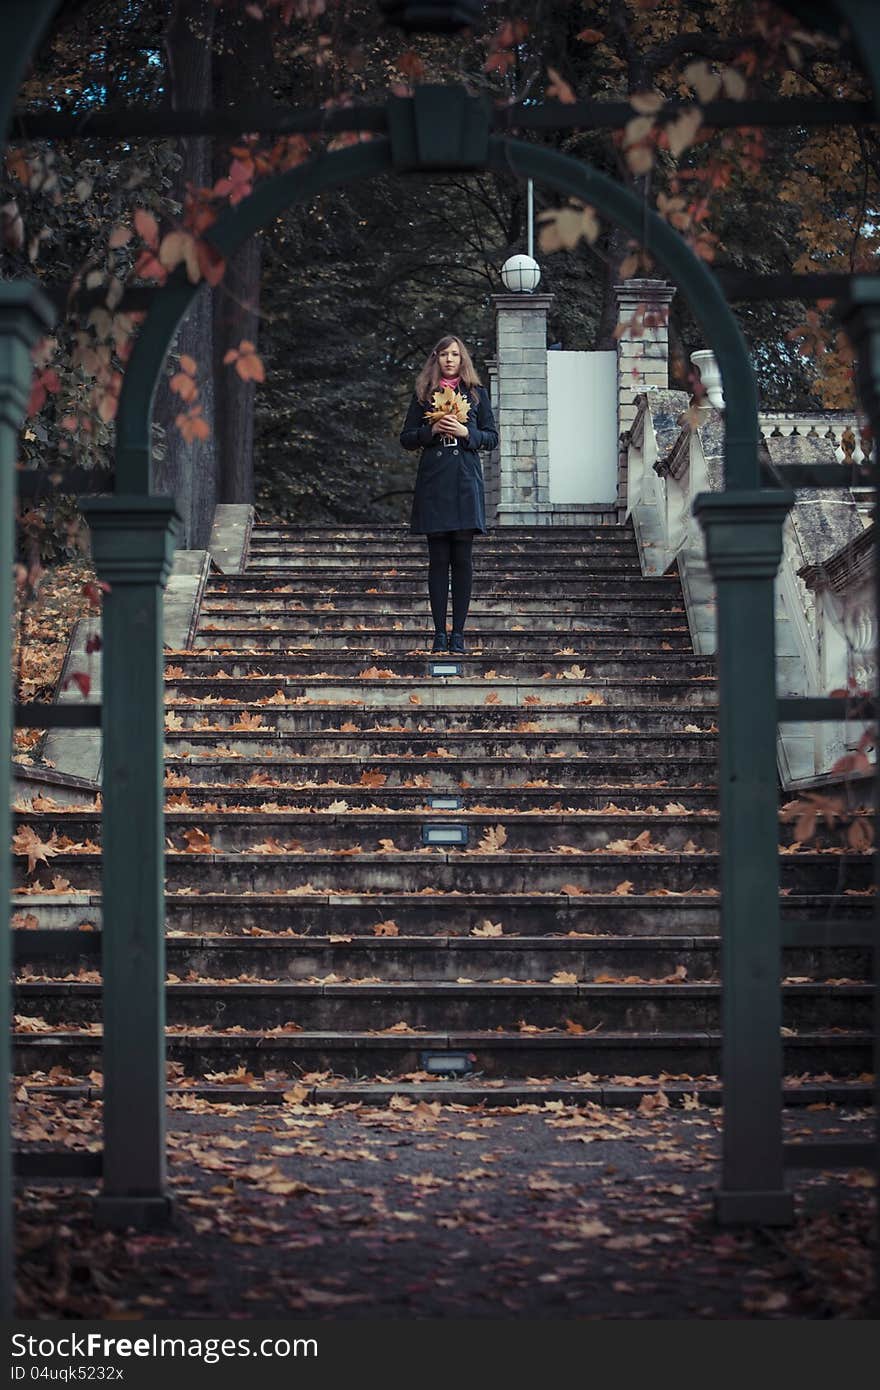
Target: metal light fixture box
440	1062
444	833
444	803
445	668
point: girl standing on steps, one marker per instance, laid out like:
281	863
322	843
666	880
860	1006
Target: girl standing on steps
448	502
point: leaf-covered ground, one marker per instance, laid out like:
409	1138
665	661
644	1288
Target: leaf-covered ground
42	625
427	1210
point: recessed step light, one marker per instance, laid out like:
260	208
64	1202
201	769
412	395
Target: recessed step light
445	668
444	803
449	1063
444	833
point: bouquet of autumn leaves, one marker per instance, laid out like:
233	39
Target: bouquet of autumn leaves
448	402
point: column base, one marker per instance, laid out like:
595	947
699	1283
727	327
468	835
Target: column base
773	1208
144	1213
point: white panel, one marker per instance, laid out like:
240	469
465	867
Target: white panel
582	420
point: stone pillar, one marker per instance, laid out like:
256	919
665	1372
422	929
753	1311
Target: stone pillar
523	468
490	461
25	315
642	352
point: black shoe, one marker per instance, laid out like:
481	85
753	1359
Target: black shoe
441	642
456	641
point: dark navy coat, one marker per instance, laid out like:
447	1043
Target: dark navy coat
448	494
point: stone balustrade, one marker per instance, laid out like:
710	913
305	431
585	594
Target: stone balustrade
825	612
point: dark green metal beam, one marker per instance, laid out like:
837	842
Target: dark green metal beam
735	285
126	123
40	716
71	1163
132	550
795	708
842	931
743	532
24	23
861	319
743	285
25	316
827	1153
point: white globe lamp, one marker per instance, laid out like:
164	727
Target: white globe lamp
521	274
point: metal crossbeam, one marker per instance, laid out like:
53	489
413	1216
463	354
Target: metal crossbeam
41	716
55	943
69	1164
736	285
742	284
821	1153
792	709
129	123
818	475
837	931
33	483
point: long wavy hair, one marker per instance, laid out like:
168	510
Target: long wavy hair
428	379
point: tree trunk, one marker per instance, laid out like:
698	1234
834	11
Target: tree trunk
615	252
244	58
189	471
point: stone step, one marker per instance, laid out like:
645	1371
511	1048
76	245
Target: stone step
520	568
658	624
337	832
298	942
461	746
428	1006
404	543
214	678
591	668
222	762
306	916
492	1054
576	560
417	640
440	869
509	585
608	1092
361	800
440	958
415	551
487	608
489	720
387	531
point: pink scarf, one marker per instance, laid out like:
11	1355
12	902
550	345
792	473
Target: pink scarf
444	381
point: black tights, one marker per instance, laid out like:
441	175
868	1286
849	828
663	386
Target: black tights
450	549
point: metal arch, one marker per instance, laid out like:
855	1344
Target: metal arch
700	288
369	158
364	160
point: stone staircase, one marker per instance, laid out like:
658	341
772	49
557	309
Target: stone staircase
325	919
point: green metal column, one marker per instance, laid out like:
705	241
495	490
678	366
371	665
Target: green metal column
133	547
743	531
25	316
861	317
